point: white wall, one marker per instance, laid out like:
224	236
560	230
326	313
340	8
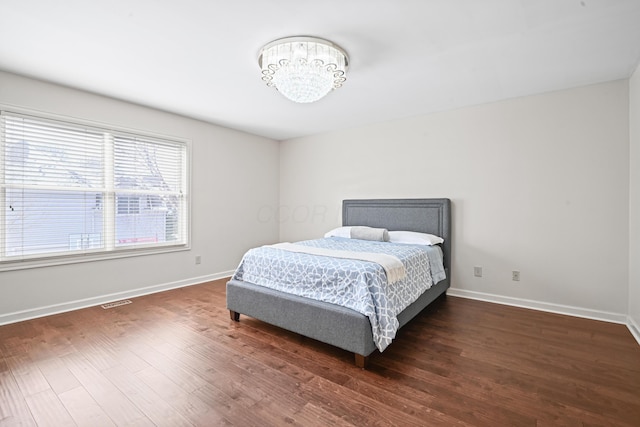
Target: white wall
234	177
539	184
634	203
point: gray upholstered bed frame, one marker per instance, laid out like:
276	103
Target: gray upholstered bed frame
339	326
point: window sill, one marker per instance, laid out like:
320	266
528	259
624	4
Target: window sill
75	259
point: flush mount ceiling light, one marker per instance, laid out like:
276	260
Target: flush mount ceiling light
303	69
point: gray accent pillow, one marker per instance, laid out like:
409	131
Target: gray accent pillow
370	233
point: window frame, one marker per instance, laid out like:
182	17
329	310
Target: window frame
109	252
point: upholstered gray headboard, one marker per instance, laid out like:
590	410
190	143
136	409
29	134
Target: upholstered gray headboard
431	216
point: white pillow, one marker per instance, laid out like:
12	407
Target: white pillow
339	232
414	238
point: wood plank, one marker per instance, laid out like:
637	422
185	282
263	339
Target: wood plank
115	403
13	407
353	407
185	403
144	398
322	417
83	408
27	374
47	409
57	375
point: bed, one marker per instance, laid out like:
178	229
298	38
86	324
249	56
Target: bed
340	326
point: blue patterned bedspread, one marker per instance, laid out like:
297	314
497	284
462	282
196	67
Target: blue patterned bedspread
359	285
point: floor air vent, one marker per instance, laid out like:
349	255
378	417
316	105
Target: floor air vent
115	304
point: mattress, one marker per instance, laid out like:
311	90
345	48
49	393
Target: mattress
359	285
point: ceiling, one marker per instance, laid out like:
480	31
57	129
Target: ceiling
198	58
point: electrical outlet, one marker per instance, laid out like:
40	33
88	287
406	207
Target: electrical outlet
198	259
477	271
515	275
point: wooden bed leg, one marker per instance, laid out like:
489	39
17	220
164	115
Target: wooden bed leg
361	361
235	316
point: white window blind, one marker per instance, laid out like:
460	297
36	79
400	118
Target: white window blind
71	190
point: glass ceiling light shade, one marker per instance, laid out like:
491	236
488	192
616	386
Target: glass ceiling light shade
303	69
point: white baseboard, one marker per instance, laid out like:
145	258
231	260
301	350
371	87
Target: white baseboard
542	306
49	310
34	313
633	328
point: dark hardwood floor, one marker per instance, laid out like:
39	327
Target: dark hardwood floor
175	358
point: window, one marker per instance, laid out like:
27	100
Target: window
70	190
